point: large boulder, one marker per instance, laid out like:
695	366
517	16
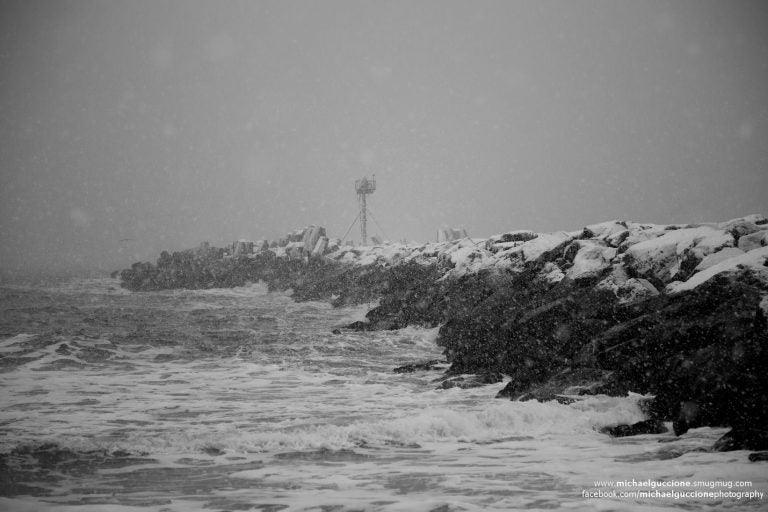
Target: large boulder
744	225
320	247
652	426
675	254
612	232
640	233
521	235
753	241
564	385
588	258
626	289
310	237
716	257
519	324
466	257
756	261
701	352
545	247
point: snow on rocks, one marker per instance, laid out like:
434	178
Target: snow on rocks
753	241
545	247
589	258
613	232
745	225
551	273
627	289
509	240
637	233
320	247
755	260
467	257
674	254
311	236
717	257
384	254
636	260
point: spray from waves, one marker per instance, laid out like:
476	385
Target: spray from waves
495	422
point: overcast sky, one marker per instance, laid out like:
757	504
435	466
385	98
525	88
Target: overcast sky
129	127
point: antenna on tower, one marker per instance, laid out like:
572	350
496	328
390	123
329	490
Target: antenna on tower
364	187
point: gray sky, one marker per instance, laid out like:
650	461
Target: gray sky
173	122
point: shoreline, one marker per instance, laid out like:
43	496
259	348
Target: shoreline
676	311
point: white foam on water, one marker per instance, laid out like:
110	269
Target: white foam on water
295	416
13	344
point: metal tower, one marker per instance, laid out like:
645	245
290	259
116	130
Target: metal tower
364	187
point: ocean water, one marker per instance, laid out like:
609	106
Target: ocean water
239	399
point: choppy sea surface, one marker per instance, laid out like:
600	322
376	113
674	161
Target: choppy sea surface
239	399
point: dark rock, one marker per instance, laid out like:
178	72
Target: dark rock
212	451
521	326
358	326
410	295
687	418
413	367
336	331
571	381
758	456
742	439
636	429
518	236
702	353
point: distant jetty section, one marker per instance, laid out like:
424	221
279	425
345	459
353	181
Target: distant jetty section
677	311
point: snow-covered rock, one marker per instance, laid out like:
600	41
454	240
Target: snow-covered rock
552	273
520	235
613	232
295	250
640	233
627	289
664	257
545	247
502	246
589	257
470	259
320	246
655	252
717	257
753	240
310	237
333	245
744	225
510	240
755	260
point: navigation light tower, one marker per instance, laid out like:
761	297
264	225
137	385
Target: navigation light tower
364	187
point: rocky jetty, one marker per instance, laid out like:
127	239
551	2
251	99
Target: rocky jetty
676	311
